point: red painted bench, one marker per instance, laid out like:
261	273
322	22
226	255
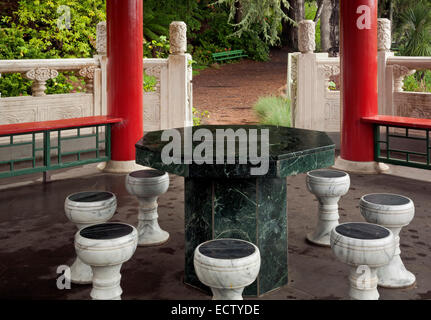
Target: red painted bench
55	126
422	159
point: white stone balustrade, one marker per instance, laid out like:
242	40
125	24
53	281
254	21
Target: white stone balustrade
315	106
168	106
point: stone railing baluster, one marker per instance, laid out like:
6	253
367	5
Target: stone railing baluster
39	76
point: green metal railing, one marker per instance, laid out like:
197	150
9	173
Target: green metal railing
388	158
47	164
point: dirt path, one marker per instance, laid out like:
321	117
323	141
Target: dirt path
229	93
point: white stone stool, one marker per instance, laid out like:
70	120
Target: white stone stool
328	186
105	247
84	209
365	247
393	212
227	266
147	186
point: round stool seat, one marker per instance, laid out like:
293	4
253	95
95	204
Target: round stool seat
147	186
84	209
90	207
106	243
326	176
365	247
147	183
227	266
392	211
327	186
363	244
389	210
105	247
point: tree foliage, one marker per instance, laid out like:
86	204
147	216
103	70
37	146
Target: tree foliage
415	30
264	17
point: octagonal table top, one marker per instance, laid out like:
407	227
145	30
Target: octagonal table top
291	151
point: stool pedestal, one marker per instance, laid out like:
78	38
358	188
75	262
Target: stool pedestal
393	212
105	247
365	247
147	186
227	266
85	209
328	186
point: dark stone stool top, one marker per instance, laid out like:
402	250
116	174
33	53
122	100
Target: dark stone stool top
227	249
91	196
363	231
106	231
327	174
147	173
386	199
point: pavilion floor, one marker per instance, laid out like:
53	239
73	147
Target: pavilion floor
36	238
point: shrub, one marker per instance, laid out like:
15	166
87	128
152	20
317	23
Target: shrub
418	82
273	110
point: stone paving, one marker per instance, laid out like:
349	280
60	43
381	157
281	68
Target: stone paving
36	238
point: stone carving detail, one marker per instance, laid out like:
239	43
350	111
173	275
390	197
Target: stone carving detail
101	38
400	72
306	36
88	74
17	117
39	77
329	70
178	37
384	40
67	112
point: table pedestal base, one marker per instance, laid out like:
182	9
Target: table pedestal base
250	209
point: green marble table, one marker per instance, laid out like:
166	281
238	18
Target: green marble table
226	201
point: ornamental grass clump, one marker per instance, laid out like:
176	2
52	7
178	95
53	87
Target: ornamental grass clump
273	110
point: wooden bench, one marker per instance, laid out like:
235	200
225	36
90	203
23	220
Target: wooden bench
421	134
228	55
52	130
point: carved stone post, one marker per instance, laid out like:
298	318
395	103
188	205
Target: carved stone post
306	36
400	72
101	38
39	77
178	100
384	39
88	74
178	37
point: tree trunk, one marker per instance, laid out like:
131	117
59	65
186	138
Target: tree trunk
334	23
325	42
238	12
289	34
300	10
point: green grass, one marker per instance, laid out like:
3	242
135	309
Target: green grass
197	68
273	110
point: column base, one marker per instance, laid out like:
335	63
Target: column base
370	167
113	166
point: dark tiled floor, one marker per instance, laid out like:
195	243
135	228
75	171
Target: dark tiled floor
36	238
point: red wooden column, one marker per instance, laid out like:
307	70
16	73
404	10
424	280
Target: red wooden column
124	77
358	53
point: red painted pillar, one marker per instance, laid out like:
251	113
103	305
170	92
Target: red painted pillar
358	53
125	75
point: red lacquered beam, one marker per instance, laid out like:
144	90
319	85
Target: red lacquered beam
27	127
399	121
